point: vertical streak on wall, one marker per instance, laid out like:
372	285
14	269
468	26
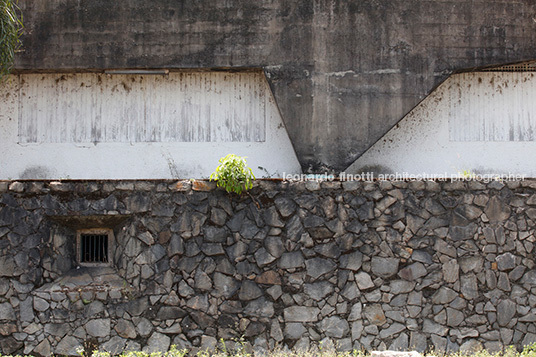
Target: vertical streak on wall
181	107
492	108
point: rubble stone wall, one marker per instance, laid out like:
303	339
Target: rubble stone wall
399	265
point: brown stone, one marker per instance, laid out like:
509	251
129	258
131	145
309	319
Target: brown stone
199	185
164	237
269	277
183	185
7	329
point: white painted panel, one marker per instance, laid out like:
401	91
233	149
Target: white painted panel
497	107
477	122
179	107
173	137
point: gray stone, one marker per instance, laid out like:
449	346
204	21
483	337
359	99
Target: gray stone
458	233
471	346
144	327
352	261
440	343
146	238
392	330
57	329
401	286
319	290
215	234
505	312
364	281
334	326
506	261
313	221
529	339
469	286
68	346
114	346
260	308
40	304
202	281
344	345
275	292
430	326
375	314
357	330
170	313
249	229
274	246
198	302
328	250
301	314
263	258
185	290
496	210
7	312
275	331
125	329
317	267
294	330
95	308
384	267
43	348
98	327
417	342
489	234
350	291
394	354
400	343
212	249
413	271
504	283
225	286
285	206
516	273
272	218
454	317
176	245
355	313
444	296
291	260
451	271
249	291
218	216
208	343
158	342
443	247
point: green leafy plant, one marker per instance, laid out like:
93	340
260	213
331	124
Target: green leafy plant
11	29
233	174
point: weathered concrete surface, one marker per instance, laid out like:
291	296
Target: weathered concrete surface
343	72
179	125
476	122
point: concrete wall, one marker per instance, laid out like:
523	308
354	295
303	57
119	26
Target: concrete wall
422	265
343	72
133	126
482	122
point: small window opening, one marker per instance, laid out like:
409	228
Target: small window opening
93	246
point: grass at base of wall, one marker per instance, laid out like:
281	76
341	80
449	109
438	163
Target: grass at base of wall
510	351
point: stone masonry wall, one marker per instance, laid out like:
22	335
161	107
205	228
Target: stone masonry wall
374	265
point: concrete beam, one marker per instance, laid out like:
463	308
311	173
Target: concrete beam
342	72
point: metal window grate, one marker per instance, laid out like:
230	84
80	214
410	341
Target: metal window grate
517	67
94	248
